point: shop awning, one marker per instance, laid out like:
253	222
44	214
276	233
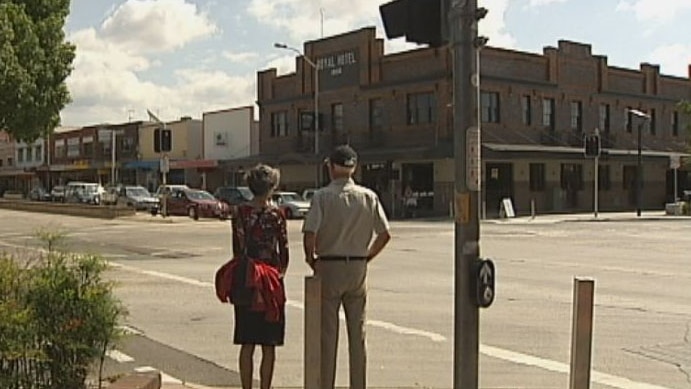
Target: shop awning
143	165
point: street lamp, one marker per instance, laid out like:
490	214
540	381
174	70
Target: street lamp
316	97
639	169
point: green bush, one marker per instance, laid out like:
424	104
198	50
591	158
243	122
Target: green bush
58	316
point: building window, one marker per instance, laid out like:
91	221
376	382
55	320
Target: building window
604	117
653	122
422	108
577	116
490	107
127	144
88	145
571	176
1	162
548	119
60	150
38	154
279	124
629	119
537	177
20	155
675	123
337	117
73	147
376	121
603	180
10	161
527	111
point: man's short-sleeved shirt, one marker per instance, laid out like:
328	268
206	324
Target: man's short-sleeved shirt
345	216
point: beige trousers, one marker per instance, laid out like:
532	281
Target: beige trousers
343	282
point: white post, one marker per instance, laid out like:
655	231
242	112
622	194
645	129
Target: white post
596	195
112	159
581	333
532	208
676	188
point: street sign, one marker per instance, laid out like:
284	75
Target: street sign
674	162
484	281
164	164
473	159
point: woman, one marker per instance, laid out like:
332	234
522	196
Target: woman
259	235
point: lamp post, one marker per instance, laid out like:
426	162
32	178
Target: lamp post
639	168
316	99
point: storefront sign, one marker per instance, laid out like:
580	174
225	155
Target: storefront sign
338	69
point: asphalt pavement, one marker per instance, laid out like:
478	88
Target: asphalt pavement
164	273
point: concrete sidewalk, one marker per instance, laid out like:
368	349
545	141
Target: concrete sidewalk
590	217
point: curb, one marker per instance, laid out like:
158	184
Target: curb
148	380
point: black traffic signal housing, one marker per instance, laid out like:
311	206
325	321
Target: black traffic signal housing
163	140
591	144
420	21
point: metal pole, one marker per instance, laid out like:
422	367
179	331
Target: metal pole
596	193
112	159
164	207
316	119
463	27
639	174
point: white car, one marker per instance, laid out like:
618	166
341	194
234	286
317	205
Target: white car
292	204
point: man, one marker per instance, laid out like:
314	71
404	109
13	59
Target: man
337	231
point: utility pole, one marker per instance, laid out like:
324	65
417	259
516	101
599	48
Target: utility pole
462	26
435	23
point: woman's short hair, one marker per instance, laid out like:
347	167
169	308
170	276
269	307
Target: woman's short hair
262	179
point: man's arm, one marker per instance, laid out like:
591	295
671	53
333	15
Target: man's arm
309	243
378	245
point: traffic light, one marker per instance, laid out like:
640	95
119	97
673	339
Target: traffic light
157	140
166	140
592	145
163	140
420	21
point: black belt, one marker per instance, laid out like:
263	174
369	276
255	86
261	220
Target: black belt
341	258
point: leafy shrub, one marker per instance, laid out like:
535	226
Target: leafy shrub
57	317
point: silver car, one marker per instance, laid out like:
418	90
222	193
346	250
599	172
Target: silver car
292	204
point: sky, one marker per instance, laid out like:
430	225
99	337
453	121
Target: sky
185	57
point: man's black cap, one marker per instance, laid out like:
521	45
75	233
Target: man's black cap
343	155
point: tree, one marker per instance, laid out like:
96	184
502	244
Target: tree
35	61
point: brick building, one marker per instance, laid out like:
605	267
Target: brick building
535	108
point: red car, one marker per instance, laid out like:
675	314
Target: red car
196	204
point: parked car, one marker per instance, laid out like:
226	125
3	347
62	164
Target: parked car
233	195
292	204
197	203
139	198
39	194
58	193
83	193
308	193
169	189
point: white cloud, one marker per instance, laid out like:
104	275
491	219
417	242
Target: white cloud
539	3
107	79
238	57
654	10
673	59
300	19
284	64
156	25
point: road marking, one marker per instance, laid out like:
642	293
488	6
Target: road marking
130	330
119	357
490	351
165	378
558	367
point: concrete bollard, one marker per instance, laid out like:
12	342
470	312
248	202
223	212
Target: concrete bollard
581	333
313	323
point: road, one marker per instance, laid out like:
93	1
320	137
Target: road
642	314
